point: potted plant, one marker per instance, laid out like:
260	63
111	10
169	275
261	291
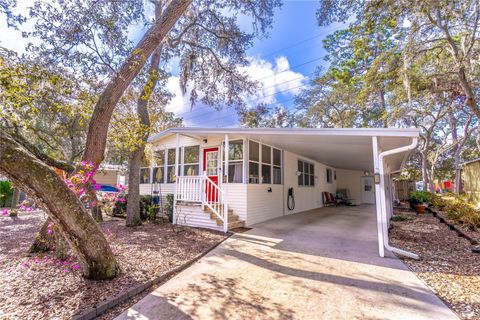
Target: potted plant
419	200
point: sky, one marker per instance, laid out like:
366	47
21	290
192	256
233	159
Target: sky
282	63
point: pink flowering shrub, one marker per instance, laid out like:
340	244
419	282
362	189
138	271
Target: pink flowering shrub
109	199
69	264
23	206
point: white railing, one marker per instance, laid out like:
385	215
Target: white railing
203	189
189	188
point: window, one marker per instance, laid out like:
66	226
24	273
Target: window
329	175
191	160
266	164
170	165
277	166
235	161
253	162
306	175
144	175
159	168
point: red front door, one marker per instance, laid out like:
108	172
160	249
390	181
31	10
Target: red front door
210	166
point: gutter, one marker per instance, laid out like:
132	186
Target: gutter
381	157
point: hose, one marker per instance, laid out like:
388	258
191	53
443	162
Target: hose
290	199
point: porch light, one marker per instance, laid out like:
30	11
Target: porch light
298	173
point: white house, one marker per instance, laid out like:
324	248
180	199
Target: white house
223	178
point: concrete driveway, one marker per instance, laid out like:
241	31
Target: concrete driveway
320	264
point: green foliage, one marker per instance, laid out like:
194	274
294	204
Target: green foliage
399	218
459	210
169	207
6	192
419	197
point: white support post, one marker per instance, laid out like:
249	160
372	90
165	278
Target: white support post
378	198
225	202
177	142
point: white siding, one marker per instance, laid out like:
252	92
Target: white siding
194	216
263	205
351	180
306	198
237	199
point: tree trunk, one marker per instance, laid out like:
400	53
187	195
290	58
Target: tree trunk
15	197
424	172
62	206
98	127
133	197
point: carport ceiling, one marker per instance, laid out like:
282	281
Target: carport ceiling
340	148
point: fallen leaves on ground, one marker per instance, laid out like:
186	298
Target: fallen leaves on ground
446	263
43	287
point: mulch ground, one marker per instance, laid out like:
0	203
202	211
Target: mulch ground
43	287
447	264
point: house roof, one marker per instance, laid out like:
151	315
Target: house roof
347	148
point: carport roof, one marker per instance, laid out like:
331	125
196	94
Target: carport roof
344	148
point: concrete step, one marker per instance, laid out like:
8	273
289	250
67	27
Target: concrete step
236	224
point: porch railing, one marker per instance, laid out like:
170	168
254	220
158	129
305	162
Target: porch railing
202	189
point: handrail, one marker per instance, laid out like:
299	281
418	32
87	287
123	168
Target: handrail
204	190
214	192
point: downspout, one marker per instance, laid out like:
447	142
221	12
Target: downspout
383	204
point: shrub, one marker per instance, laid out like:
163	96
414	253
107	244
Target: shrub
169	207
6	193
419	197
148	210
457	208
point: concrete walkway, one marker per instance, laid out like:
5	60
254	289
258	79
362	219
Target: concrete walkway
320	264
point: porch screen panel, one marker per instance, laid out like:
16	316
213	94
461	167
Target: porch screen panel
159	168
253	162
277	167
191	161
266	164
170	165
235	161
144	175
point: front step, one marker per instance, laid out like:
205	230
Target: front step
233	219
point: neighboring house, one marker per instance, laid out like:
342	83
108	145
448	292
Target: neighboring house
250	183
471	180
109	174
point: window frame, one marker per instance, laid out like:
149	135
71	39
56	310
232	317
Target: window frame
329	170
260	163
233	161
183	163
307	176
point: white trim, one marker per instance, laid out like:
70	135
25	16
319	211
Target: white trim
378	205
366	132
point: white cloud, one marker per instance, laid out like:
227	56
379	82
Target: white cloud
274	79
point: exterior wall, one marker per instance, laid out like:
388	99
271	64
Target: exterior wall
263	205
471	181
237	199
194	216
106	177
306	198
352	181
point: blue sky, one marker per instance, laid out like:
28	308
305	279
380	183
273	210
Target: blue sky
282	63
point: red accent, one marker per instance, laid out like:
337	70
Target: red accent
210	190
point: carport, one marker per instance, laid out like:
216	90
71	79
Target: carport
376	153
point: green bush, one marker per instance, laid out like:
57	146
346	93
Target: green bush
169	207
6	193
148	210
419	197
